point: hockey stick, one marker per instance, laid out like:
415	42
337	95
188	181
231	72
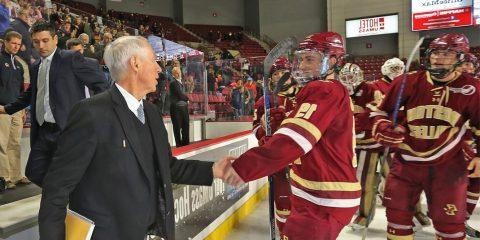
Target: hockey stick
283	46
383	158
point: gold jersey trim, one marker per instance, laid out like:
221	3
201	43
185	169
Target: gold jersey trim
308	126
325	186
406	147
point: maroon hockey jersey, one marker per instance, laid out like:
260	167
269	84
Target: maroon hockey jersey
366	99
318	137
436	116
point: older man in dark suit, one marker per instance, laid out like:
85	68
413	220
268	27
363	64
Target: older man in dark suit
114	164
58	81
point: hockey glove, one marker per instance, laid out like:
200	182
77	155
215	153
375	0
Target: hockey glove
263	140
277	115
385	134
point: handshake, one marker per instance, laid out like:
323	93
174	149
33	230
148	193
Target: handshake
223	169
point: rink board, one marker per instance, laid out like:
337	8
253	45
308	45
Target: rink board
200	212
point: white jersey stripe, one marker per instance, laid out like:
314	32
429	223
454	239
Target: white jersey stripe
328	202
296	137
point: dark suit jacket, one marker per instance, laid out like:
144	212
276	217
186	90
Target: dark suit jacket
69	73
177	92
105	180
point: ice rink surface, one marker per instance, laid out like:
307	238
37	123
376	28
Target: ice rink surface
255	227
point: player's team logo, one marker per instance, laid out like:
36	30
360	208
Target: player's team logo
450	209
6	65
465	90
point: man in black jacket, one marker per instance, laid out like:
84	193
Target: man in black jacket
114	164
20	25
179	109
57	82
11	86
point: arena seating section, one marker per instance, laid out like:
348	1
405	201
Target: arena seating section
216	103
247	47
371	65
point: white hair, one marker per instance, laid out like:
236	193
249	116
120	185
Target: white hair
118	53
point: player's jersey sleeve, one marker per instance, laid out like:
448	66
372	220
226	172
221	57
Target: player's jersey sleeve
299	132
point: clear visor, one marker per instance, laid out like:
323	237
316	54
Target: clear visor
445	59
309	65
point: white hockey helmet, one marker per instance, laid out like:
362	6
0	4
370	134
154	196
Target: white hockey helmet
351	76
393	68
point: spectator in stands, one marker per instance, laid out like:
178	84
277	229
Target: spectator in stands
236	100
65	33
87	29
189	84
88	49
51	104
4	16
226	54
78	23
100	47
11	86
251	90
97	36
259	84
20	25
162	90
38	13
211	81
179	109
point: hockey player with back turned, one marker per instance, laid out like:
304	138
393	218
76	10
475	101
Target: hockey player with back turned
428	147
318	139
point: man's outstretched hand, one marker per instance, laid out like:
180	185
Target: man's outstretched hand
223	169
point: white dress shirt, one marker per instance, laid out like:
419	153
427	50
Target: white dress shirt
46	101
132	102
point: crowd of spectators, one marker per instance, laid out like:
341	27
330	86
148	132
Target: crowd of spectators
232	78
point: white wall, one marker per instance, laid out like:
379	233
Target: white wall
340	10
151	7
282	18
386	44
229	12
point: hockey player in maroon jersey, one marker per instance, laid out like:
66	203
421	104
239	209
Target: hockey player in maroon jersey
366	96
284	103
318	139
470	66
278	113
428	147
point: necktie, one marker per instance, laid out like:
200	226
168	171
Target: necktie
141	114
41	85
